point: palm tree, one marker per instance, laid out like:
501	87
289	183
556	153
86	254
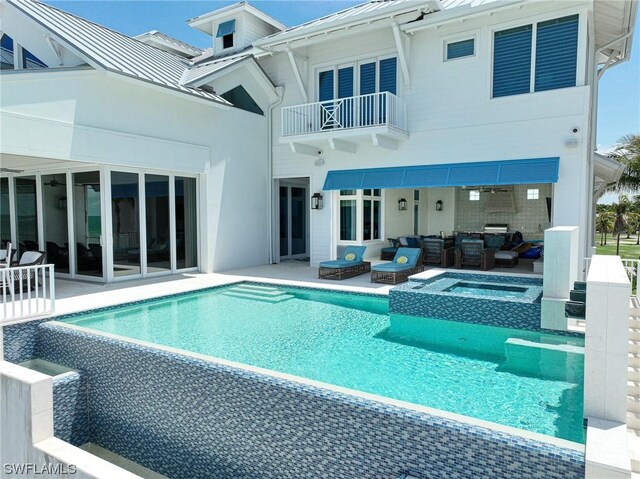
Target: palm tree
621	210
628	153
633	223
604	223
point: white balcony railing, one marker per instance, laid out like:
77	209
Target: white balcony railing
27	291
631	266
363	111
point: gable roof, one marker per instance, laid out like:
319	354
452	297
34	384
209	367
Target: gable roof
204	69
174	43
234	8
108	50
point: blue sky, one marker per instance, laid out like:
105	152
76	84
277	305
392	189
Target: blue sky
619	103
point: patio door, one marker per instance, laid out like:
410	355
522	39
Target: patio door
86	248
125	241
293	221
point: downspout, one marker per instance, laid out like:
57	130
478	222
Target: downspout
280	90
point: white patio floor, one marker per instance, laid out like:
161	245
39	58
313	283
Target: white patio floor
74	296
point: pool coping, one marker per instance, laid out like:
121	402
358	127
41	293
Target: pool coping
319	387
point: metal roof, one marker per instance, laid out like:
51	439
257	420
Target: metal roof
177	44
109	50
204	69
362	12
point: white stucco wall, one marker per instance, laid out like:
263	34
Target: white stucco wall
103	119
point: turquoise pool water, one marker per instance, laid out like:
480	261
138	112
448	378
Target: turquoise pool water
489	290
518	378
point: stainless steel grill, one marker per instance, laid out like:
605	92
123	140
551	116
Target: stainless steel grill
496	228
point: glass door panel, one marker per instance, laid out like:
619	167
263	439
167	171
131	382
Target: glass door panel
87	214
56	231
157	223
186	223
26	214
5	214
125	222
284	221
298	221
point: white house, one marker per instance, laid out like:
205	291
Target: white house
131	157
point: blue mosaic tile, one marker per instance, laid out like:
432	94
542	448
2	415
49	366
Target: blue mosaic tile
70	408
191	418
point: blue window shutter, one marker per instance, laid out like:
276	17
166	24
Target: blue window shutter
367	78
512	61
345	82
388	75
325	85
556	53
464	48
226	28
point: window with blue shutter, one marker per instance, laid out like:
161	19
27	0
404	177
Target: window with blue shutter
512	61
226	28
556	53
345	90
388	75
367	86
325	85
461	49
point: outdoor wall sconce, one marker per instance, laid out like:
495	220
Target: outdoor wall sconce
316	201
402	204
439	205
62	203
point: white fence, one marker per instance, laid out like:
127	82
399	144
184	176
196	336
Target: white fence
375	109
27	291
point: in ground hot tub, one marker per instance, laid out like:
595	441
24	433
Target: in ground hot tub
506	301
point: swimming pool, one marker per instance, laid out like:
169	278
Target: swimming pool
496	374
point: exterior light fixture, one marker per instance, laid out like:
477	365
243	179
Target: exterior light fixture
402	204
316	201
439	205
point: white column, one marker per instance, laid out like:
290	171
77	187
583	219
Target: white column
607	339
561	262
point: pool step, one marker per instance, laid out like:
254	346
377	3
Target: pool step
633	404
634	449
633	372
634	346
257	290
273	299
633	387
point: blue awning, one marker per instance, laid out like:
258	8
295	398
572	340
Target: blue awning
226	28
481	173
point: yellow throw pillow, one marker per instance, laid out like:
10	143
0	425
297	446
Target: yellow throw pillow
350	257
402	260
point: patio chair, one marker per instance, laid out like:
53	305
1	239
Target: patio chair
473	253
387	253
6	256
27	276
350	265
406	262
435	251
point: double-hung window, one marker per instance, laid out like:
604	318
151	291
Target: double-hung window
535	57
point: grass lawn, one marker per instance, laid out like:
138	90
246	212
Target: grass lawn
628	247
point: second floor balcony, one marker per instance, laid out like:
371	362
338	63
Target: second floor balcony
378	118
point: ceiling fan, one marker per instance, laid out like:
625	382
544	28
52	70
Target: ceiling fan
489	189
54	182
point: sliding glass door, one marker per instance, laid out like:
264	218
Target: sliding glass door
125	224
26	214
87	224
56	228
157	221
186	219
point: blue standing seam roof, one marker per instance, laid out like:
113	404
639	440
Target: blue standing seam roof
486	173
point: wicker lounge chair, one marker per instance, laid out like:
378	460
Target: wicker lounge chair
406	262
434	251
473	253
6	256
350	265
